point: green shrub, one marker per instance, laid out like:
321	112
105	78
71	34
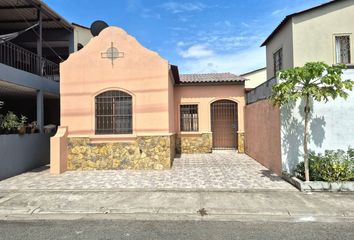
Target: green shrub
330	167
10	121
22	122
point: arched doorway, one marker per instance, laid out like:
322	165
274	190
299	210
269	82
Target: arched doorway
224	124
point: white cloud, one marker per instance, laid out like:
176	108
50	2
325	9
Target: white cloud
178	7
228	23
148	13
246	25
278	11
225	41
236	62
133	5
225	23
197	51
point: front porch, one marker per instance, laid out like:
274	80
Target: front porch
220	170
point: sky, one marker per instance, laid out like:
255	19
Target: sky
202	36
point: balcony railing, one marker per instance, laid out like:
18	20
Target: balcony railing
20	58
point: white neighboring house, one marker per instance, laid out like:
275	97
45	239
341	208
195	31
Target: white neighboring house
82	35
255	78
322	33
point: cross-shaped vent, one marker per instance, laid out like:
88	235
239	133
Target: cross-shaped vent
112	53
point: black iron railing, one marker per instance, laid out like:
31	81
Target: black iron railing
20	58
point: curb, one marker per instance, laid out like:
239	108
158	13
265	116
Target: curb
175	217
319	186
181	190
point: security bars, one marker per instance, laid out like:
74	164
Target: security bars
278	61
114	113
343	49
189	118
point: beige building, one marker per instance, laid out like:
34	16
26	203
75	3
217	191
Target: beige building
82	35
273	136
255	78
324	32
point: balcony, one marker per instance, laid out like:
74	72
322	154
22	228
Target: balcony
22	59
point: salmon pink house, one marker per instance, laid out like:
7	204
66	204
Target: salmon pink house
125	107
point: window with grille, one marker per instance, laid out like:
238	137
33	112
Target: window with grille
189	118
343	49
278	61
114	113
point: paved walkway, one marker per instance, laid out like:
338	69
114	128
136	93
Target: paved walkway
221	170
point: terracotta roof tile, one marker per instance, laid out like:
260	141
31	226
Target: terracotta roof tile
210	78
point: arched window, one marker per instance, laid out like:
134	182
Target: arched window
114	113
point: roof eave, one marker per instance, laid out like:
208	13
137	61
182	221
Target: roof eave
277	29
211	83
254	71
175	74
49	11
79	25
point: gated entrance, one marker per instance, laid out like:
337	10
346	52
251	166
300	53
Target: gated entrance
224	124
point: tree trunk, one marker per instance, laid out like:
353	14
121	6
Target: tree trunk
306	156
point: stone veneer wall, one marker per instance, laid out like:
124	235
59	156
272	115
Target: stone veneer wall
194	143
241	142
147	152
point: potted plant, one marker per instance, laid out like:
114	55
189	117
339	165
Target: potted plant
9	123
22	125
33	126
1	120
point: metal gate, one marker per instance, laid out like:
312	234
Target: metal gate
224	124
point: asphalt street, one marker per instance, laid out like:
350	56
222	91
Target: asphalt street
118	229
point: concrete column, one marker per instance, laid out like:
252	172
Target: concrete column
72	42
59	151
40	110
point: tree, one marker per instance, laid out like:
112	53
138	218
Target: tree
315	80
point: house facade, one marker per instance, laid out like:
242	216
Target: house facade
323	33
125	107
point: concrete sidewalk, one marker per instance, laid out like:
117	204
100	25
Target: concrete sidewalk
292	206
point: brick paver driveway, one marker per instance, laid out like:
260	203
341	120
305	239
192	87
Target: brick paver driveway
221	170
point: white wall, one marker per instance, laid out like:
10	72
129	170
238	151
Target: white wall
313	32
310	36
331	127
283	39
81	35
255	78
